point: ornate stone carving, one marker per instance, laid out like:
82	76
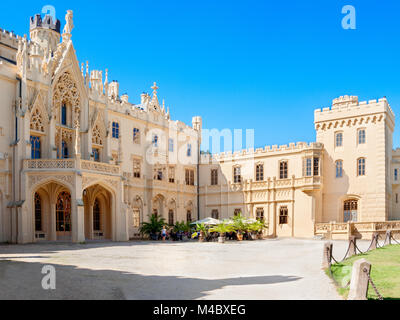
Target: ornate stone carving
66	90
36	179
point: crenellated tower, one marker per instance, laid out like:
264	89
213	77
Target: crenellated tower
45	32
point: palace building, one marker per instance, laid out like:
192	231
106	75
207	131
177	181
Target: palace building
79	161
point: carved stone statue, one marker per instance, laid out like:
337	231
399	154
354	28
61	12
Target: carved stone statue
69	22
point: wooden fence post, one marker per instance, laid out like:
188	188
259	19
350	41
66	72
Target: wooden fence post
359	280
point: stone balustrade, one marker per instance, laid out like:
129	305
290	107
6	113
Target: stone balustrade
57	164
363	230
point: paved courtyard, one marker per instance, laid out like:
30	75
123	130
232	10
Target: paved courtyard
270	269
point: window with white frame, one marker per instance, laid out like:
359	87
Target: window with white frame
339	169
361	136
361	166
283	170
189	177
260	172
171	145
339	139
214	177
237	175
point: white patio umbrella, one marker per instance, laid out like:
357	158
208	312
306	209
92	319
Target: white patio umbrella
208	222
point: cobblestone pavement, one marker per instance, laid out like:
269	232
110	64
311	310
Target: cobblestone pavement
269	269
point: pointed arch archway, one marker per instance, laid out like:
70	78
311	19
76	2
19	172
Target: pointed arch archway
99	212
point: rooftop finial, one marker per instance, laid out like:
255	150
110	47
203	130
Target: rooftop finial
69	24
155	88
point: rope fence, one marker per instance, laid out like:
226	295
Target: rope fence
352	250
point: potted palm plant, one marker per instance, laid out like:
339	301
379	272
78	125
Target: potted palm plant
239	226
222	229
153	227
255	229
202	230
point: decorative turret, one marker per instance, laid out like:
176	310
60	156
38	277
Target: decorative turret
45	32
113	90
197	123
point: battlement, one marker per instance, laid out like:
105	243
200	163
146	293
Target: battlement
45	23
9	38
267	151
348	106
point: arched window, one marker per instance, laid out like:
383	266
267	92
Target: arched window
171	217
136	218
350	210
64	114
339	169
189	216
63	212
35	148
96	216
115	130
38	213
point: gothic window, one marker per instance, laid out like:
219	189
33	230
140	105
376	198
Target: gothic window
171	217
283	215
96	154
96	136
136	169
361	167
63	212
350	210
339	169
155	212
171	174
155	141
64	114
283	170
35	148
136	218
96	216
115	130
260	172
215	214
37	121
136	136
189	216
64	150
214	177
38	213
237	176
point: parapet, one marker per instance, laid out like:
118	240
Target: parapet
349	106
267	151
45	23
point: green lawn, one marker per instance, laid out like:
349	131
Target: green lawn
385	272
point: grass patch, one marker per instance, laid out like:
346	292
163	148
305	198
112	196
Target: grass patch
385	272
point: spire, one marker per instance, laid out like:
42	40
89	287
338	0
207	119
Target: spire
154	100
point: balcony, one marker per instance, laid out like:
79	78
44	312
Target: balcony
69	165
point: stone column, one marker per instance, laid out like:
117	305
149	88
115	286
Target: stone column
91	234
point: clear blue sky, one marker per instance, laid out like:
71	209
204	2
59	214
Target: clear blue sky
264	65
